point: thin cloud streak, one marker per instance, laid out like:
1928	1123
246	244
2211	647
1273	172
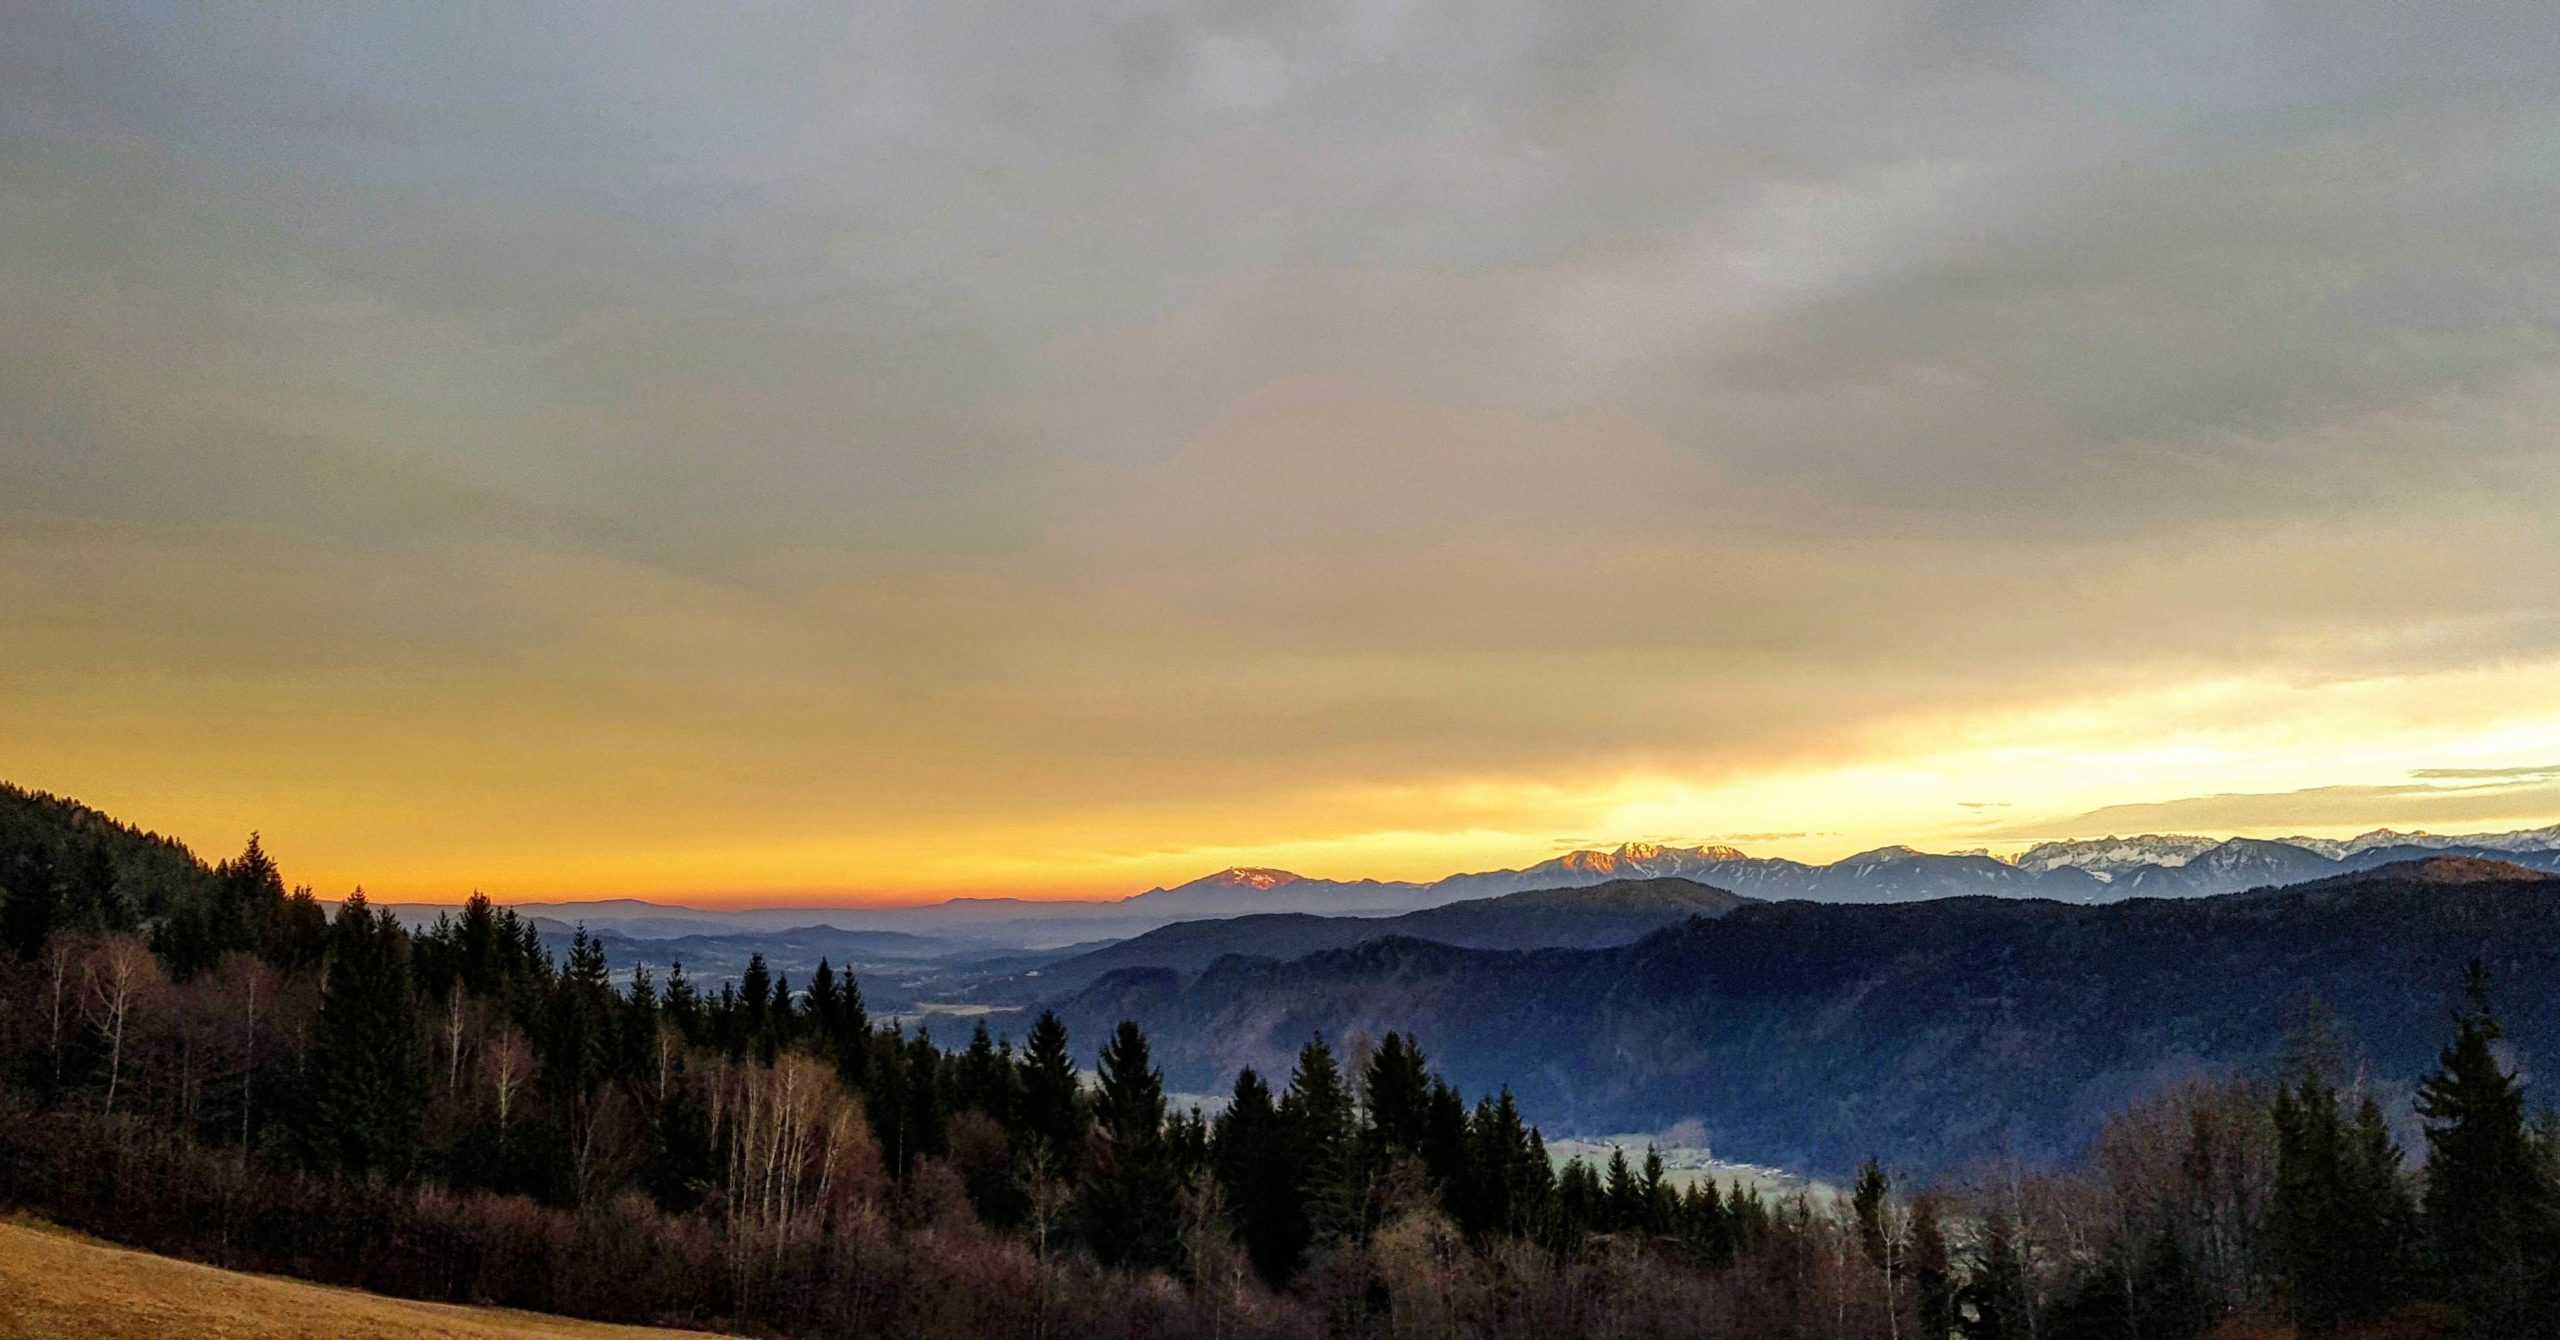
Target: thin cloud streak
607	448
2312	808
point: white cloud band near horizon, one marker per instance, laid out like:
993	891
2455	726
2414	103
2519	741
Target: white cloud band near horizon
961	448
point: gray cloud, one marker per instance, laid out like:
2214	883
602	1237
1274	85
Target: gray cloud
2529	773
2312	807
1383	391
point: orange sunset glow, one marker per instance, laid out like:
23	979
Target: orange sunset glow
816	464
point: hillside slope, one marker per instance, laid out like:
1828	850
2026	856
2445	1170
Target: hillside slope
55	1284
56	845
1813	1035
1591	917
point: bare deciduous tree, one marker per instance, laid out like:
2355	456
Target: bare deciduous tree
114	977
507	1062
792	1130
1048	1194
456	1020
248	980
61	956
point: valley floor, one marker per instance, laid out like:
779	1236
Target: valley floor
57	1284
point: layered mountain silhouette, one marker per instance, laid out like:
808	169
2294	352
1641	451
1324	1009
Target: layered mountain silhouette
1815	1034
1620	911
1804	1015
2105	869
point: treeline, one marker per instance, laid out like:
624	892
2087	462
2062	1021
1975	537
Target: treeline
202	1062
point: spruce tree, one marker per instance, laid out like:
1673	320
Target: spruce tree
637	1026
475	941
1656	1189
889	1104
755	1003
1324	1156
1579	1203
985	1078
578	1034
1398	1084
782	1020
1706	1225
849	1035
926	1116
2487	1202
2341	1219
1444	1136
2306	1208
368	1079
1052	1102
826	1005
1129	1200
684	1004
1622	1200
1249	1154
1506	1187
2380	1266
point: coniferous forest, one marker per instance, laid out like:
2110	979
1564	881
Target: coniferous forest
203	1061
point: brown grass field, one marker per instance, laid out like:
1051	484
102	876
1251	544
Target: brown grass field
57	1285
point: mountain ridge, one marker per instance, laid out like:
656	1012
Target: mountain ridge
1582	916
1813	1034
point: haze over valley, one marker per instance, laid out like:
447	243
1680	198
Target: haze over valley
1299	670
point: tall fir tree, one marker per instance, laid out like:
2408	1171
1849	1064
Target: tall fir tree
1621	1201
984	1078
1130	1211
1398	1085
1052	1101
683	1003
1249	1152
825	1005
1870	1202
1318	1115
2488	1205
368	1082
1654	1216
924	1120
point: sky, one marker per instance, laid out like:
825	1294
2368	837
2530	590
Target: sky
787	452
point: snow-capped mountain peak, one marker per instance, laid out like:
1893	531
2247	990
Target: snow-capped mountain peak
1637	859
2523	839
2109	856
1250	877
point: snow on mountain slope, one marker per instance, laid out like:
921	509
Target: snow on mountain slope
2148	865
2109	856
2523	839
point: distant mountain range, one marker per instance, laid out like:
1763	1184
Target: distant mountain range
2108	856
1806	1015
1592	916
2098	870
1812	1035
2085	871
2079	871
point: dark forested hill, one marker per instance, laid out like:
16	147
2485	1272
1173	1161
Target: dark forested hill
63	863
1816	1034
1618	912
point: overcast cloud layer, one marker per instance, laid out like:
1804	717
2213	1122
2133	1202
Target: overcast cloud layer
966	447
